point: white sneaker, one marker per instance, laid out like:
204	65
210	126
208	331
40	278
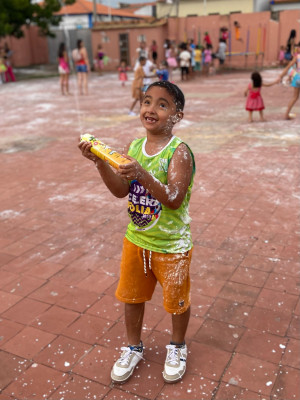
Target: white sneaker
124	366
133	114
175	364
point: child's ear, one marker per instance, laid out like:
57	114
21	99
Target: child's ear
177	117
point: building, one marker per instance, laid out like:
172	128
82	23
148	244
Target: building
80	15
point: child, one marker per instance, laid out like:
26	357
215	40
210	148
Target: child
163	73
254	100
281	55
137	84
185	61
157	244
99	59
123	72
2	67
63	69
198	59
293	71
208	58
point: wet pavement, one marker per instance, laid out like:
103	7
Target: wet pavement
61	238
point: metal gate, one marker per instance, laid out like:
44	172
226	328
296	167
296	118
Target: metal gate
124	47
70	38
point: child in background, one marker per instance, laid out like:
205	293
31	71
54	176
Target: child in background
2	66
162	72
137	84
208	58
123	72
198	59
293	71
254	100
157	245
63	69
99	59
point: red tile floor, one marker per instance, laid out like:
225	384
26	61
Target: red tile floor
61	235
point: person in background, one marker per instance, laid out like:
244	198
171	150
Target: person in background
163	72
221	53
82	65
289	50
208	58
254	100
63	69
99	63
198	59
2	66
9	73
154	51
171	59
281	55
123	68
185	61
293	70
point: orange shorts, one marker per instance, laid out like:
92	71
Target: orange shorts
170	270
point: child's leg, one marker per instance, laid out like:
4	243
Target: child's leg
261	115
61	81
85	82
134	314
79	82
250	119
133	104
292	102
180	324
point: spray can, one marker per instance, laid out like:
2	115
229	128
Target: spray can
104	152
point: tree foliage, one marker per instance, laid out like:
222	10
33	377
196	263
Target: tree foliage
14	14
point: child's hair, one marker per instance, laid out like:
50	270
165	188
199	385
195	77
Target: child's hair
173	90
165	63
142	58
256	79
79	42
61	50
208	46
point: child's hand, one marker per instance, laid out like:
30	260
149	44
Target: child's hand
131	170
85	148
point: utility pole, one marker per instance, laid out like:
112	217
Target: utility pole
94	11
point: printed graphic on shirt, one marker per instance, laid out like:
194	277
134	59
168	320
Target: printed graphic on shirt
143	209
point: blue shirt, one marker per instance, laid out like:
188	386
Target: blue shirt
163	74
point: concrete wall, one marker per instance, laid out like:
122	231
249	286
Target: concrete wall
30	50
110	42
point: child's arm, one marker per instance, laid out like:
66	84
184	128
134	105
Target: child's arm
118	186
180	171
269	83
246	91
284	72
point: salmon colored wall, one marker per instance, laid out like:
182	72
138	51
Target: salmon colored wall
29	50
289	20
112	49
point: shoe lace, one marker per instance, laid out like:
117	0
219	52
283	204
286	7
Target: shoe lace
172	356
125	356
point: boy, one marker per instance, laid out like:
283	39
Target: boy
137	84
162	72
157	244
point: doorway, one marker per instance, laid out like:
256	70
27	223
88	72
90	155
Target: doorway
124	48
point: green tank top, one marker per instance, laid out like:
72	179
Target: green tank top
154	226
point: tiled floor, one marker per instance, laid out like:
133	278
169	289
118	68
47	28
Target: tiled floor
61	239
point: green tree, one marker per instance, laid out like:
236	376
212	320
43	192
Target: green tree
14	14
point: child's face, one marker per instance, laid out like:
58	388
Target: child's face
158	111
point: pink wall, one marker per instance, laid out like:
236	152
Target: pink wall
29	50
289	20
112	49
